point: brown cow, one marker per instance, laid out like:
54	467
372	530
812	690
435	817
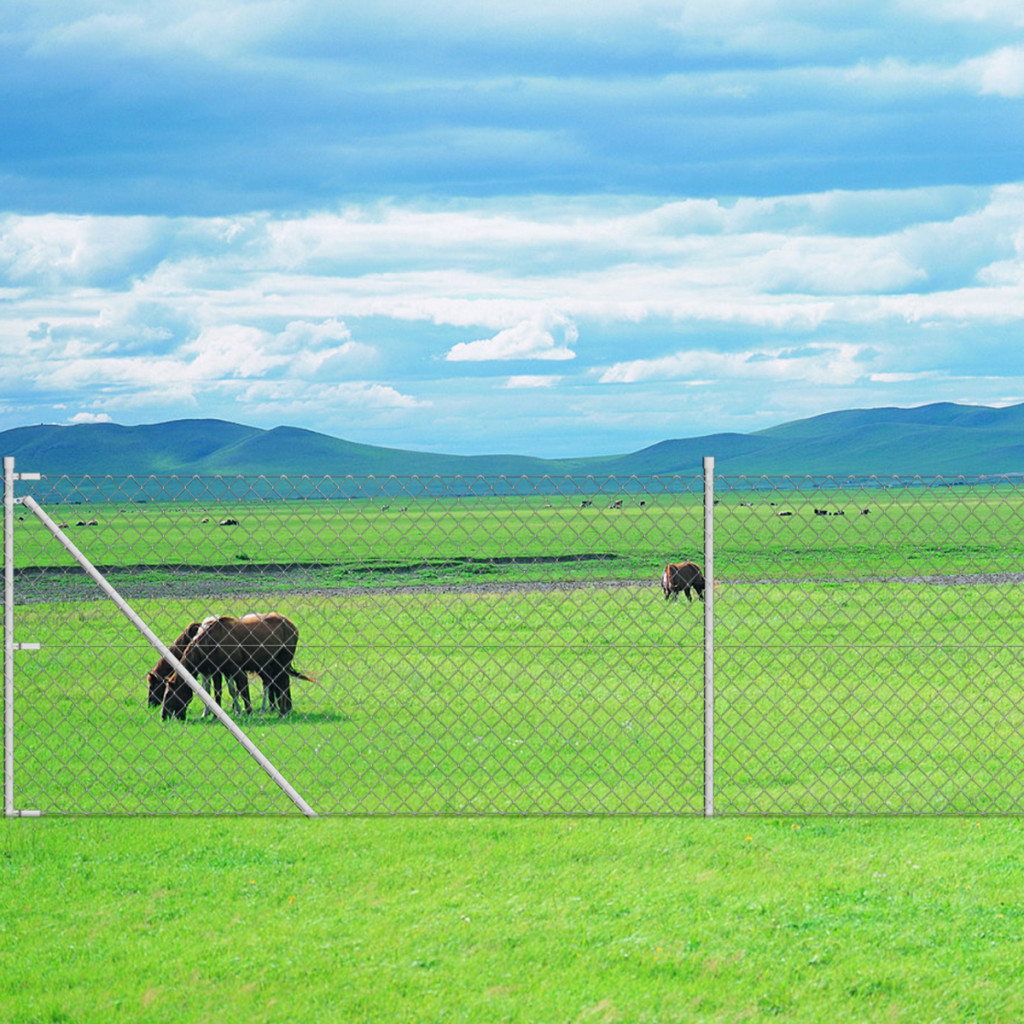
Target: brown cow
682	576
157	679
264	644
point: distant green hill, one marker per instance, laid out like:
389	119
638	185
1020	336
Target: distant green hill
942	439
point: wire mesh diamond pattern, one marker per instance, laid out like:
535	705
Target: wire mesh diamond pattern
474	645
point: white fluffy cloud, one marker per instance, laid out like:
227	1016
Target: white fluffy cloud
90	417
816	363
1000	73
530	339
531	381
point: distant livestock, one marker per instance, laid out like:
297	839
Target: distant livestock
682	576
264	644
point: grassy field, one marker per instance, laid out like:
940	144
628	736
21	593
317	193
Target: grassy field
356	543
866	698
639	920
844	684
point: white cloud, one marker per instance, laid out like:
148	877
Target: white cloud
1000	73
91	417
154	376
60	249
230	350
816	363
323	350
529	381
214	29
530	339
293	395
899	378
1000	11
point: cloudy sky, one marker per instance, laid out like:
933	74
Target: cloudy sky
548	228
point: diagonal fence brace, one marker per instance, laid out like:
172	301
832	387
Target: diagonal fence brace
250	747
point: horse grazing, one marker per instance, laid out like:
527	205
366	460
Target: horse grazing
682	576
264	644
157	678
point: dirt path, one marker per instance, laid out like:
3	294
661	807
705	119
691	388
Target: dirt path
35	586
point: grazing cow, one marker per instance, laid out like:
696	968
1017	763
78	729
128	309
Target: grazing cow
586	504
264	644
157	679
682	576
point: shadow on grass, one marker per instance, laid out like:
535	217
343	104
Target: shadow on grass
273	719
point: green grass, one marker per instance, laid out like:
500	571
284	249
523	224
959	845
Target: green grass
514	921
358	543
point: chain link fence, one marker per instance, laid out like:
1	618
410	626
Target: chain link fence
505	646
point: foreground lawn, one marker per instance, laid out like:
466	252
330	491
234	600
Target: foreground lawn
158	920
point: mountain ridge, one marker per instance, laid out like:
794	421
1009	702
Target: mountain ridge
939	439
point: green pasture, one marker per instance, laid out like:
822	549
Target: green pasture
358	542
864	698
515	655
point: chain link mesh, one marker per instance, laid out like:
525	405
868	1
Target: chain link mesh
503	645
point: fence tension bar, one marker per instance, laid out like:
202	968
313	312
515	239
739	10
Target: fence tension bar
10	476
709	636
197	689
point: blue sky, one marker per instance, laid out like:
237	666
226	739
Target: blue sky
553	229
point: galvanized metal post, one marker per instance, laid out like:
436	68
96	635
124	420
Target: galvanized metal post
709	636
8	637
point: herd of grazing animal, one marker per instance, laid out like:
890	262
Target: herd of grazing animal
222	647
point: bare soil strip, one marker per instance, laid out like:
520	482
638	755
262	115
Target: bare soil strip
38	585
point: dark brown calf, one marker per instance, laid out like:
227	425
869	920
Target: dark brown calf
682	576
